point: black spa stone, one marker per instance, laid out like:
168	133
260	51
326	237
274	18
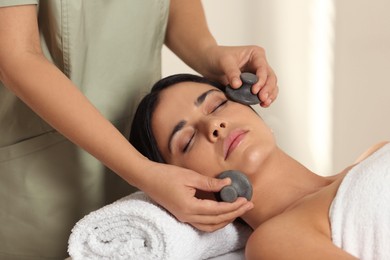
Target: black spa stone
244	94
240	187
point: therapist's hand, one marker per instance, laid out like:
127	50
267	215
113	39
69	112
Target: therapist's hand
226	63
174	188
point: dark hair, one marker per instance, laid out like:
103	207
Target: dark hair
141	135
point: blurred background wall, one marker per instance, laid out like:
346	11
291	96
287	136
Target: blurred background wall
332	59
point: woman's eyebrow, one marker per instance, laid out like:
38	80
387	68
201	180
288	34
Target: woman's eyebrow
203	96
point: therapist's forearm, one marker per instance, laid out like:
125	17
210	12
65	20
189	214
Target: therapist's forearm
187	34
46	90
55	98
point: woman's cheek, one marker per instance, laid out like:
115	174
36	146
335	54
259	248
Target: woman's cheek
251	160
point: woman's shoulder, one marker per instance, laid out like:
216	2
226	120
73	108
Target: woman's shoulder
370	151
296	234
361	158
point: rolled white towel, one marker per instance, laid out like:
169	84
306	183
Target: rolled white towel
135	227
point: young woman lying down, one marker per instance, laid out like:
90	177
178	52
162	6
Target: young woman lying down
188	121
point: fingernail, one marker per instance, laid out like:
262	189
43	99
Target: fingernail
227	180
255	89
236	82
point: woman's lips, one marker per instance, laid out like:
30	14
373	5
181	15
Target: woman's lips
232	141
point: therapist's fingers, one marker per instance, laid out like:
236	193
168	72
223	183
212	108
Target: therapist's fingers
231	69
267	81
270	91
245	59
216	215
210	228
221	211
210	215
175	189
251	59
257	62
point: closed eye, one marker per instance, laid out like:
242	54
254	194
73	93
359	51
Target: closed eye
186	147
219	106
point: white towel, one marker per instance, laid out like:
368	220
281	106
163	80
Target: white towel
135	227
360	212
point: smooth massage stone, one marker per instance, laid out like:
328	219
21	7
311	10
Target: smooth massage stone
244	94
240	187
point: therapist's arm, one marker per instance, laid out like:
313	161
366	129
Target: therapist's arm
189	38
44	88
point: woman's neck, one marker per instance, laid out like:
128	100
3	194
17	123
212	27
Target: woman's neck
278	185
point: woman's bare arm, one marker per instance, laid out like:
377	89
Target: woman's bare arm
281	239
370	151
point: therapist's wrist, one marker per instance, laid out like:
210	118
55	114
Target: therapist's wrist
204	60
143	173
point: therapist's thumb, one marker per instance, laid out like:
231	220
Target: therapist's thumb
232	73
212	184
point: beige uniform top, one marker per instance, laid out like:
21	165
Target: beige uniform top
111	49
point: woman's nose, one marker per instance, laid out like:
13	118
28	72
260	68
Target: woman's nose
216	130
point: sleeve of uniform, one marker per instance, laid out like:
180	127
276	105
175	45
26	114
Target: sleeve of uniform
4	3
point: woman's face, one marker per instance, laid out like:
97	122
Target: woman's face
196	127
